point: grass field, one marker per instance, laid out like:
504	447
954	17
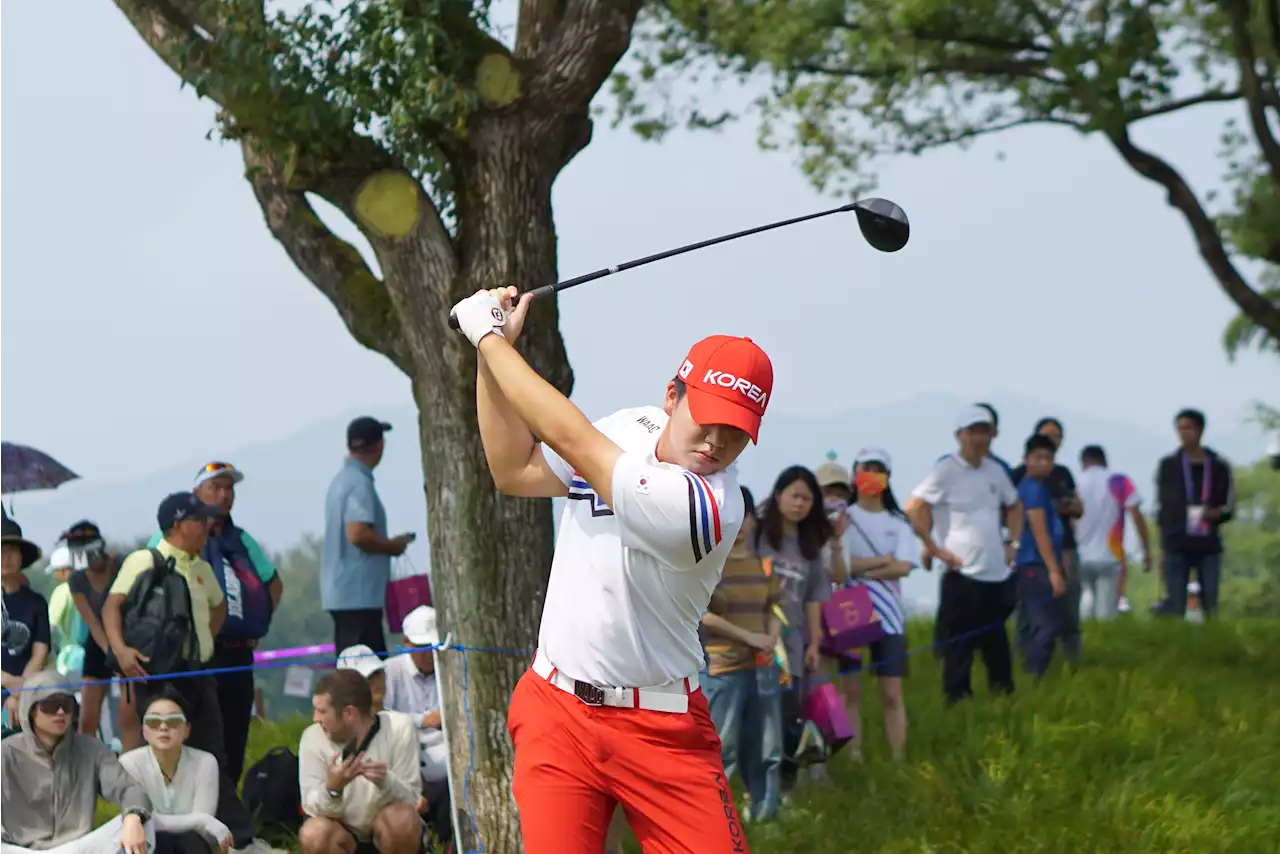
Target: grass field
1166	740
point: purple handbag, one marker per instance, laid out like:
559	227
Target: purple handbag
849	622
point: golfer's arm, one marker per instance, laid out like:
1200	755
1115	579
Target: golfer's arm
112	623
920	512
546	412
515	461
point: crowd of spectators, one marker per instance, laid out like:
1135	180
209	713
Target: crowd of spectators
372	770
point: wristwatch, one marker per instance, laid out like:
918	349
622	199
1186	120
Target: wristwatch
143	815
335	794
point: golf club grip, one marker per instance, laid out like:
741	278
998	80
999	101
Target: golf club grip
535	293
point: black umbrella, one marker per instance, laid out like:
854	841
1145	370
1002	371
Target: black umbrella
26	469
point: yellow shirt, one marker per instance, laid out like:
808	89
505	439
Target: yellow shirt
203	584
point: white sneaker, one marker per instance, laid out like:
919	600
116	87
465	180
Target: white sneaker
258	846
1123	606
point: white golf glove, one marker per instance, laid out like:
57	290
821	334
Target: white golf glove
478	315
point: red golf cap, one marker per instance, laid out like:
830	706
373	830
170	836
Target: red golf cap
729	381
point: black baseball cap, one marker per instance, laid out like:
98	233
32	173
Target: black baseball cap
182	506
365	431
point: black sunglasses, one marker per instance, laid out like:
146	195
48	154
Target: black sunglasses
57	703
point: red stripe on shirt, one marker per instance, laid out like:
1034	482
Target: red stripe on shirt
711	499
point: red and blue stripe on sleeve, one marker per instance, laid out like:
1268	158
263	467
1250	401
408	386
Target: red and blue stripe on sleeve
704	516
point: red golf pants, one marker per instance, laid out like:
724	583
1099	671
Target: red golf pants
575	763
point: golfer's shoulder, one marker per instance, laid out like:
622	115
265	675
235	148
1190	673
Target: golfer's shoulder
636	424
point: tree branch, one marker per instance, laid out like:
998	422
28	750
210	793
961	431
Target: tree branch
971	65
573	62
169	34
969	134
1212	248
329	262
1251	86
1183	103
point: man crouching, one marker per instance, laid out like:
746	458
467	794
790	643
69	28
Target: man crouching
358	773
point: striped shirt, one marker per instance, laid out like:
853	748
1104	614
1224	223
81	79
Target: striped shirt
745	596
872	535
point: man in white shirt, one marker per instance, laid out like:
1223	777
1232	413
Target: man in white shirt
413	691
1107	498
956	512
357	773
611	711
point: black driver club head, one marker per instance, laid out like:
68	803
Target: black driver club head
883	224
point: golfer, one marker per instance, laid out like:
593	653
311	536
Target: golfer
611	711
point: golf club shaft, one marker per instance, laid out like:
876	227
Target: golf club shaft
670	253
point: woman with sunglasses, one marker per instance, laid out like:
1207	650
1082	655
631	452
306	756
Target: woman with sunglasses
880	549
181	782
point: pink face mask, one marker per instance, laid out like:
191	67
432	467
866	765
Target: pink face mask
871	483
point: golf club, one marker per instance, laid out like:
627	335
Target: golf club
883	224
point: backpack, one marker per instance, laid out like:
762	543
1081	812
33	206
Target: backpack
158	621
248	601
270	791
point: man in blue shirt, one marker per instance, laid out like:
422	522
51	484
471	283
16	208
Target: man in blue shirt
1041	582
356	564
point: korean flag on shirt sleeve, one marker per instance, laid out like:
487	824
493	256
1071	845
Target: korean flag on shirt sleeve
678	517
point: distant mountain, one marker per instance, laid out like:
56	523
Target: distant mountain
282	497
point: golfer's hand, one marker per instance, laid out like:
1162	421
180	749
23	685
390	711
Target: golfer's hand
133	837
374	772
479	315
516	307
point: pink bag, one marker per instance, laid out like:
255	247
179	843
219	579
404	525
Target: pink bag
408	589
849	621
825	707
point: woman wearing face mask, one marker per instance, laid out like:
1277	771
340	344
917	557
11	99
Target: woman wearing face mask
794	532
880	549
181	782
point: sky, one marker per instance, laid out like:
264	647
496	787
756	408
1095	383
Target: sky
148	316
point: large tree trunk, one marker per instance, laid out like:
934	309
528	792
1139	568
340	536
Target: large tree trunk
491	554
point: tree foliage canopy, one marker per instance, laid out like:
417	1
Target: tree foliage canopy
854	81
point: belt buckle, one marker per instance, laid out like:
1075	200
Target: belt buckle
592	695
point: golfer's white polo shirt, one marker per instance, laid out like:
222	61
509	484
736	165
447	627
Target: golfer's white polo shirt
630	583
967	505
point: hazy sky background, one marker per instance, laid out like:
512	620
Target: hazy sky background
148	316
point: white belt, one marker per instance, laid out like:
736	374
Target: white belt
672	697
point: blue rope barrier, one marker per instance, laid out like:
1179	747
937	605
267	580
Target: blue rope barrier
796	685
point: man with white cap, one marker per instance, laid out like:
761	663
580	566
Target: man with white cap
956	511
66	627
413	690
